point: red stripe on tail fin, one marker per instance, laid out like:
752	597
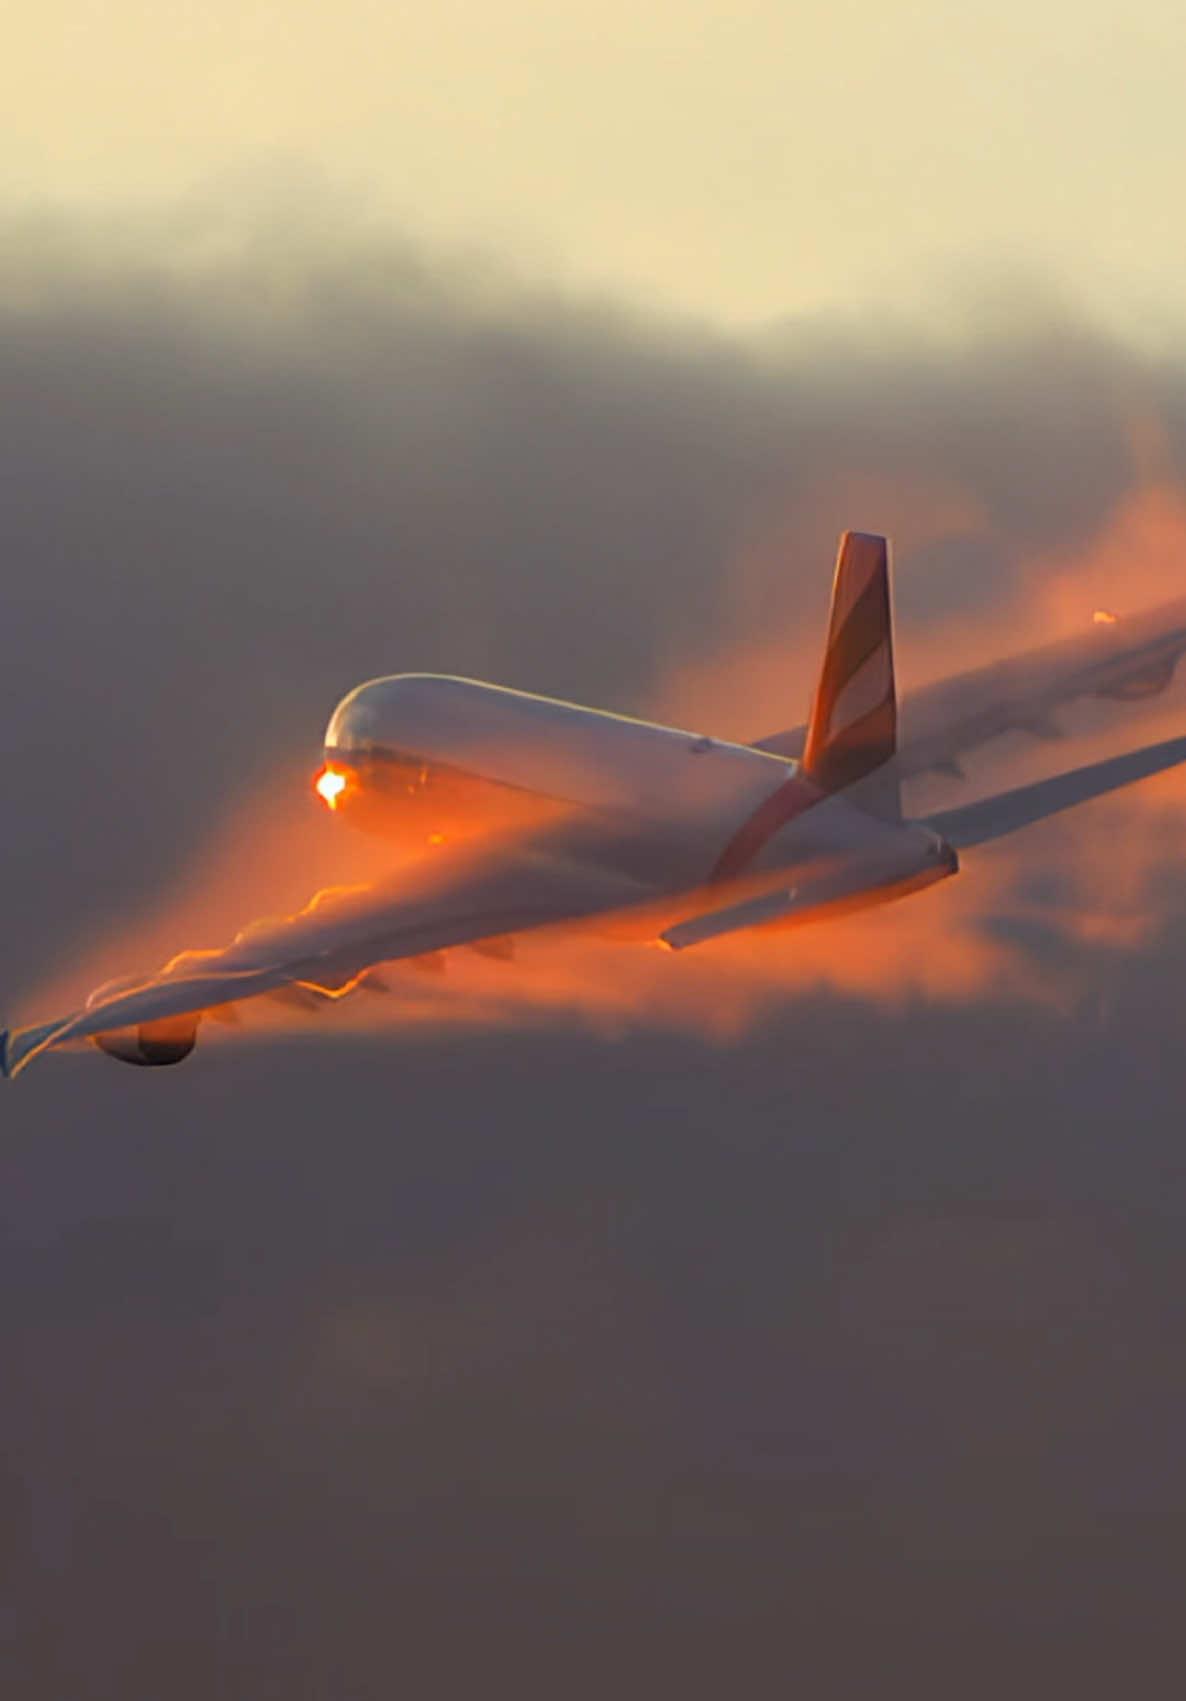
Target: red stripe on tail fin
854	716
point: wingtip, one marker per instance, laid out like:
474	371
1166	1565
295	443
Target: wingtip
13	1055
19	1046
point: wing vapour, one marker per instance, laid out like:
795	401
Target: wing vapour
1007	812
1126	660
338	937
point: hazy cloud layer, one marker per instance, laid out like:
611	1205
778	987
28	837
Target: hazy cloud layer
845	1355
737	161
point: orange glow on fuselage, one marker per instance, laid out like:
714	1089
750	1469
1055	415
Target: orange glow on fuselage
1105	617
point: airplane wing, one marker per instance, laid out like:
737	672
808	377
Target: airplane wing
327	949
993	817
1125	659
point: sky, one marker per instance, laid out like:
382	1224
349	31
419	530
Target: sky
604	1346
739	160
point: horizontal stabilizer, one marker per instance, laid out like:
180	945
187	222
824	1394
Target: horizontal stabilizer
832	886
993	817
769	906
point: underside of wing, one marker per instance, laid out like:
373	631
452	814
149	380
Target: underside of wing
329	947
1007	812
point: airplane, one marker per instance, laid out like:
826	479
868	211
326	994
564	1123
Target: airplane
638	830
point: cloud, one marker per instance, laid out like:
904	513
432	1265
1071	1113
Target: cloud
718	1360
259	461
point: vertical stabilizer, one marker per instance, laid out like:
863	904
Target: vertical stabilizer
854	716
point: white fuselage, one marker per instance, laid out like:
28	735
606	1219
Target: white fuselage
672	809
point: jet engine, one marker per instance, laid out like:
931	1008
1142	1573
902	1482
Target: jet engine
1150	682
153	1044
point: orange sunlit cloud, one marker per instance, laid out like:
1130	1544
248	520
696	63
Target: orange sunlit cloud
939	944
947	944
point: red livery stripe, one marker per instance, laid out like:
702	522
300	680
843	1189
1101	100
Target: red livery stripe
794	797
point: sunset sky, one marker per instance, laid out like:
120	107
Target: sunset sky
739	159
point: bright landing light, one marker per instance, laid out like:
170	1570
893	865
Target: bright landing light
330	786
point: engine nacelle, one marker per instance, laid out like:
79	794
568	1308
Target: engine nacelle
1135	687
153	1045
